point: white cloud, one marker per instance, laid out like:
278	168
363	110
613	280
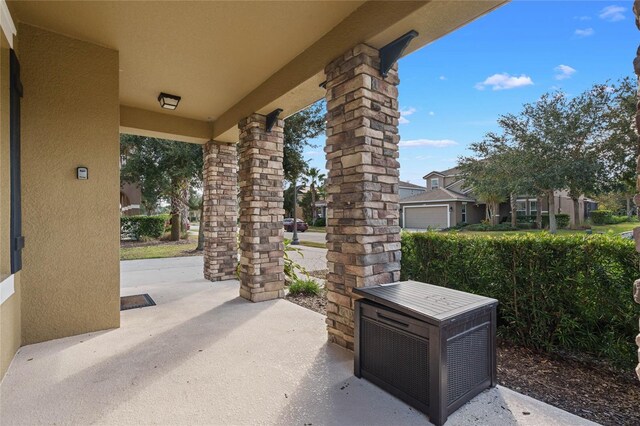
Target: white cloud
504	81
584	32
432	113
582	18
563	72
442	77
435	143
404	113
612	13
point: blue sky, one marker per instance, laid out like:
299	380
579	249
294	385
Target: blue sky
453	90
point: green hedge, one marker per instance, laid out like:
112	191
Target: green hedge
321	221
567	294
601	217
138	227
484	227
562	220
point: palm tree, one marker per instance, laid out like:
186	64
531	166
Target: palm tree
313	180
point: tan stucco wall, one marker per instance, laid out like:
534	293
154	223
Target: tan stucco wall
70	118
10	309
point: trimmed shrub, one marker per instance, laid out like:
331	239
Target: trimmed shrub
527	218
484	227
618	219
305	288
601	217
138	227
526	225
566	294
321	221
562	220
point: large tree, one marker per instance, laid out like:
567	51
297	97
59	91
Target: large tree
164	170
620	149
583	144
299	129
314	179
482	174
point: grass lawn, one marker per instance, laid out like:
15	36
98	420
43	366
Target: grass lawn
313	244
605	229
158	251
317	229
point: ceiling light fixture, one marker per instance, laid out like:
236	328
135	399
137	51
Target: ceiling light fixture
168	101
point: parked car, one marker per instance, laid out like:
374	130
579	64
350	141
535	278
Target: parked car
288	225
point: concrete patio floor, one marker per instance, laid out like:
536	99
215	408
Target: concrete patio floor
205	356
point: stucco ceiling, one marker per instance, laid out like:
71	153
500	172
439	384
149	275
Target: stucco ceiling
227	58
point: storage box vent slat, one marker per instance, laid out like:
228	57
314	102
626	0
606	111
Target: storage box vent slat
468	362
399	359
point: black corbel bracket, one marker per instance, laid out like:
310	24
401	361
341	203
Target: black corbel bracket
390	53
272	117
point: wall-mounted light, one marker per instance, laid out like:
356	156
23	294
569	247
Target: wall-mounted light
450	208
168	101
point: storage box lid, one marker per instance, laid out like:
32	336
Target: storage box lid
424	300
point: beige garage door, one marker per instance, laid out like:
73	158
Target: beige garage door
426	217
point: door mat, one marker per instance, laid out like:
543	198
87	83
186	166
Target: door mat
136	301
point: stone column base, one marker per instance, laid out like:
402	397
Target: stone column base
220	176
261	209
363	232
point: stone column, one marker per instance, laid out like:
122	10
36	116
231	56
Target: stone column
636	231
363	233
261	209
220	176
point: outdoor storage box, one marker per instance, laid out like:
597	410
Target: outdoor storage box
432	347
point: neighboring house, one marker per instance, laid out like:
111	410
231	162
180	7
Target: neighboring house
130	199
408	189
321	205
446	202
130	195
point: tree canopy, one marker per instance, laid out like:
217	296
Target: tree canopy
299	129
163	169
584	144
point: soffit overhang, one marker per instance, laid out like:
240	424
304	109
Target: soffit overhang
230	59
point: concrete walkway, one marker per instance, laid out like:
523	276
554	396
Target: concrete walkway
205	356
311	258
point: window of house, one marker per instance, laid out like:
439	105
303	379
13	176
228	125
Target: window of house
435	183
464	213
521	207
533	207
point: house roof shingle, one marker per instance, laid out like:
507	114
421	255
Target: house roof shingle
438	194
403	184
449	172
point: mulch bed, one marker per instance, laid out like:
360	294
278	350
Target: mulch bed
586	389
583	388
315	303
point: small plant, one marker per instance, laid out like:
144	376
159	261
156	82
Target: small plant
306	287
291	266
